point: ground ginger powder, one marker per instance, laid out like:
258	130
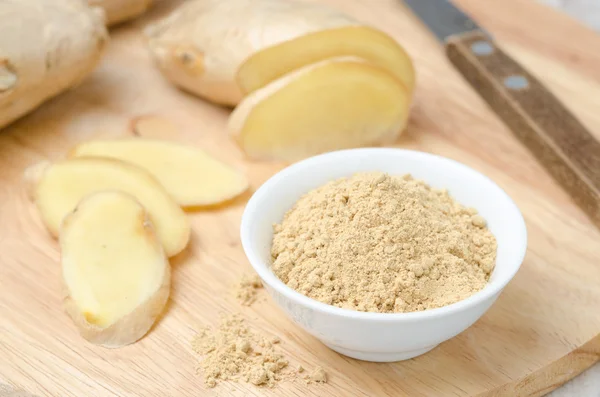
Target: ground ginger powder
379	243
247	289
234	353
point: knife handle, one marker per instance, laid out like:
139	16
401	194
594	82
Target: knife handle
538	119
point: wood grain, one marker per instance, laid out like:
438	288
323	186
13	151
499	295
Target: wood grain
543	330
541	122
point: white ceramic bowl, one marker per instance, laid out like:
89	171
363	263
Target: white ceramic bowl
383	336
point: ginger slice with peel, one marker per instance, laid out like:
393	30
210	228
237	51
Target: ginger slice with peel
190	175
116	274
370	44
63	184
330	105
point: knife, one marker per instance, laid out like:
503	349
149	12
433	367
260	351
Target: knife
559	141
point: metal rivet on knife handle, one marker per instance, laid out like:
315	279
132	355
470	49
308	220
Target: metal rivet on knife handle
516	82
482	48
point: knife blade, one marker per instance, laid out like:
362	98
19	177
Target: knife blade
443	18
557	139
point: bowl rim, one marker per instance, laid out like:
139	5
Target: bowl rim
263	270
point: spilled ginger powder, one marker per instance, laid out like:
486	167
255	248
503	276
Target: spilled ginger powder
379	243
247	289
234	352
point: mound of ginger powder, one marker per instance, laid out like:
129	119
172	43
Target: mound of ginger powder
379	243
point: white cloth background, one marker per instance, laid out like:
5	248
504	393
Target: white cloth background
587	11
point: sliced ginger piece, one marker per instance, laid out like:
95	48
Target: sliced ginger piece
63	184
330	105
372	45
191	176
116	275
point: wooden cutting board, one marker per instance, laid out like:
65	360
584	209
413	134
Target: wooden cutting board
543	330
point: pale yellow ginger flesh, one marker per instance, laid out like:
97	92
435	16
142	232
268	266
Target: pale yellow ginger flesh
370	44
190	176
333	105
63	184
116	275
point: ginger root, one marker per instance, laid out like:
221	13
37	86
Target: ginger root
222	50
190	176
334	104
117	11
116	275
48	46
63	184
305	78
